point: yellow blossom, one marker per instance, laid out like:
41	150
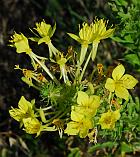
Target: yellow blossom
87	104
79	126
85	34
45	31
85	37
108	119
93	32
100	30
120	82
61	61
21	43
25	110
82	115
32	125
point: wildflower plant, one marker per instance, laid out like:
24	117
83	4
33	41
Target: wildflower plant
75	101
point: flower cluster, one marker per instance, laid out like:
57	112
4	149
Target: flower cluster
82	115
74	103
26	116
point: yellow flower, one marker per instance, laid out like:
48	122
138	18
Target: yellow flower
85	34
24	111
79	126
108	119
120	82
93	32
99	30
82	115
87	104
61	61
85	37
45	31
21	43
32	125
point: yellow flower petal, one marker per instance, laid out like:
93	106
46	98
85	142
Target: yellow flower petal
108	33
45	29
110	85
122	92
118	72
85	33
100	31
116	115
82	98
129	81
85	126
17	114
77	113
94	103
72	128
24	104
75	37
32	125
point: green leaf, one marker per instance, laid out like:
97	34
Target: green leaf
75	152
34	39
102	146
127	148
132	59
137	102
128	39
118	39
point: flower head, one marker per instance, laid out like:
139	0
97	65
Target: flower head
82	115
32	125
120	82
108	119
99	30
85	34
79	126
88	104
25	110
45	31
21	43
93	32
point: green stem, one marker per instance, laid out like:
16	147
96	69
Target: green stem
109	98
49	122
45	68
83	53
77	72
94	49
36	87
52	49
91	76
64	113
81	60
85	66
